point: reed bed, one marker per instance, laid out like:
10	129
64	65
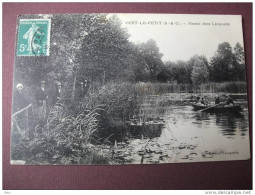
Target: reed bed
225	87
70	132
61	139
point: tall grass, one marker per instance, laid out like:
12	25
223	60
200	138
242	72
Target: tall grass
226	87
211	87
101	117
62	139
162	88
143	89
119	103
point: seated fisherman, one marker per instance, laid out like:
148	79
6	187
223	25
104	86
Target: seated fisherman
202	100
217	100
229	100
197	99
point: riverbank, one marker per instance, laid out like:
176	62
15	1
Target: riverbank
183	136
172	87
115	119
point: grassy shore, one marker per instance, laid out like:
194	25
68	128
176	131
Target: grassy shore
101	117
161	88
225	87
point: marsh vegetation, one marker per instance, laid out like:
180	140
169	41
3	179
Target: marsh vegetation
130	101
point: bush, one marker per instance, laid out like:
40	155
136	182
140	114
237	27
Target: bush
162	88
118	103
226	87
63	139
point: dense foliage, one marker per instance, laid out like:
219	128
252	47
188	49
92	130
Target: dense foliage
94	47
99	50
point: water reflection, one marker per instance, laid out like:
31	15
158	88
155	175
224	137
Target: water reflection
180	134
181	119
227	123
147	130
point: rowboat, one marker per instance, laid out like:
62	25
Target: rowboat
217	108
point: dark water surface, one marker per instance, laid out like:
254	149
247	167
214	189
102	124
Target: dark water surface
216	136
185	135
224	125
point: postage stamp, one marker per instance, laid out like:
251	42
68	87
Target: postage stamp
33	37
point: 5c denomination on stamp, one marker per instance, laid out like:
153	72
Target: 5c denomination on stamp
33	37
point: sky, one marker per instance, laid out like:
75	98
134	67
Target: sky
180	37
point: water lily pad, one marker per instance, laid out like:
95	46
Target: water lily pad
182	147
141	153
193	153
191	147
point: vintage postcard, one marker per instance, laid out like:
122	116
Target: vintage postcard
116	89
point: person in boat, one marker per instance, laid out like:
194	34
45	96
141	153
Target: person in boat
217	100
202	100
197	99
229	101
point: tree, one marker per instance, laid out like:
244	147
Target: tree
104	51
179	71
222	63
195	58
239	62
67	31
152	58
138	69
199	73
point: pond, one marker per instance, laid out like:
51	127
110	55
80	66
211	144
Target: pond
180	134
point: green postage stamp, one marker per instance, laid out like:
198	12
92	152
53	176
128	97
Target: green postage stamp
33	37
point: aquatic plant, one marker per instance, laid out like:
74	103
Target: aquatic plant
226	87
62	139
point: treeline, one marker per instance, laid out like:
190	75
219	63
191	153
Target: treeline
96	48
226	65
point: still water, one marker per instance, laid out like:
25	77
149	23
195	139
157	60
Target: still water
185	135
216	136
